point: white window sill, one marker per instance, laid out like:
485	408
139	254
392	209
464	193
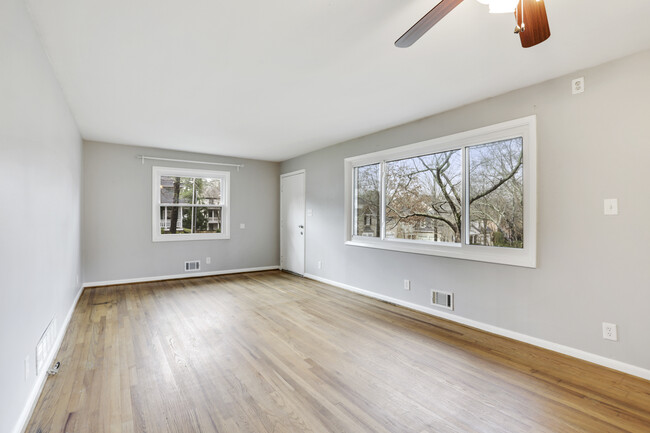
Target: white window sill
190	237
504	256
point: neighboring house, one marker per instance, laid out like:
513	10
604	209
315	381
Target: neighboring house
483	235
485	232
427	230
370	223
166	219
424	229
214	220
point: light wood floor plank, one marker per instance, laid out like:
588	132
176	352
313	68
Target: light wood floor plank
270	352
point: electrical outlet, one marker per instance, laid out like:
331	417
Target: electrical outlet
320	264
578	85
208	260
610	332
407	285
242	226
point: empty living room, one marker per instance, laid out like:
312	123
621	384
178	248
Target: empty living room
324	216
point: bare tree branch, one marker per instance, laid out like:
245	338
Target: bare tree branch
424	215
501	181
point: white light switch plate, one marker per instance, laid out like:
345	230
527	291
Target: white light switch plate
610	206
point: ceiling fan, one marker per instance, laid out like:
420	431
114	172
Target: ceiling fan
530	17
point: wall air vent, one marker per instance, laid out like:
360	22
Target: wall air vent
442	299
45	345
194	265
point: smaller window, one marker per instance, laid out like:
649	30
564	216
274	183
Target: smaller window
190	204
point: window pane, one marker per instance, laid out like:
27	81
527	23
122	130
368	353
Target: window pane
366	208
208	191
175	220
207	220
423	198
176	189
496	189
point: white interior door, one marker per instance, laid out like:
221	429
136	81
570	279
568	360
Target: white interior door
292	222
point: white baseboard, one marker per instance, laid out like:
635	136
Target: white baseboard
30	405
555	347
179	276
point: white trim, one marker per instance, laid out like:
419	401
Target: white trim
304	239
545	344
293	173
157	172
179	276
525	127
35	394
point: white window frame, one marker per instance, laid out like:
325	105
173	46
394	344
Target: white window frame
158	172
525	127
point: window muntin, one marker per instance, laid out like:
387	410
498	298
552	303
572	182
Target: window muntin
494	167
190	204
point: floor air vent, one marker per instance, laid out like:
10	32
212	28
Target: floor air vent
442	299
194	265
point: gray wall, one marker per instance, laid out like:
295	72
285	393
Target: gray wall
40	170
591	268
117	216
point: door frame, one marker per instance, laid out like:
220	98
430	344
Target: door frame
304	252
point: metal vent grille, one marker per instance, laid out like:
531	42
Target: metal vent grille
442	299
45	345
194	265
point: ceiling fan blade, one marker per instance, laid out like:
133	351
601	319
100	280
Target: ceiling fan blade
536	21
426	22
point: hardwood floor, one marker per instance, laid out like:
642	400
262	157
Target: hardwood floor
272	352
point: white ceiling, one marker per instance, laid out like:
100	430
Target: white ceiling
275	79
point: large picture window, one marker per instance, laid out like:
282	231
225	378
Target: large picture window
190	204
470	196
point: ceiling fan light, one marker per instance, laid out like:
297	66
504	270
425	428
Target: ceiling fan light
500	6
